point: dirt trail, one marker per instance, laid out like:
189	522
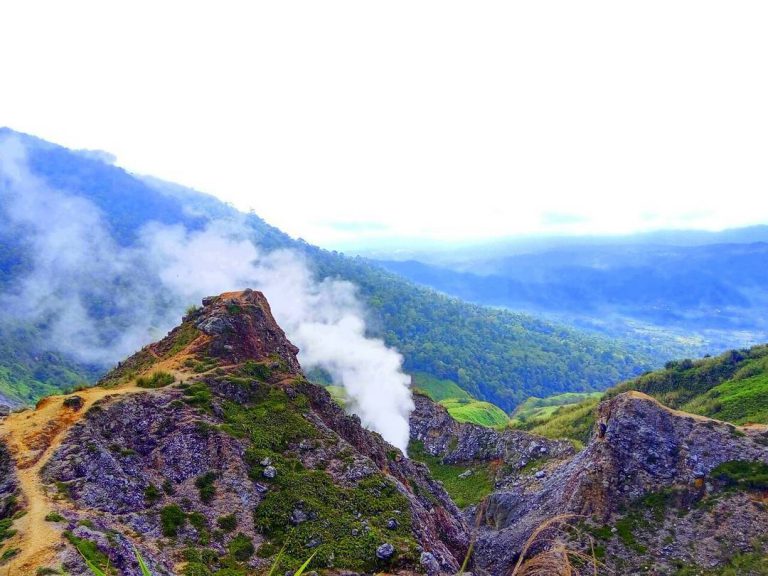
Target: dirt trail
32	436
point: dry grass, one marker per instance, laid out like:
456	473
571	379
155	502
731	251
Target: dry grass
558	559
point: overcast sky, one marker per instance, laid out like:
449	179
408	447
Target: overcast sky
348	121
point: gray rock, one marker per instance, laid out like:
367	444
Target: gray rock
392	524
430	563
297	517
269	472
465	474
385	551
540	474
266	461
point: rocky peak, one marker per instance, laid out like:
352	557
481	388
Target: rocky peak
241	327
212	439
640	449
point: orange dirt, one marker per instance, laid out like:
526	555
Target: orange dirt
32	437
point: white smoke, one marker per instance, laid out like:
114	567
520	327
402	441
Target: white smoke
148	285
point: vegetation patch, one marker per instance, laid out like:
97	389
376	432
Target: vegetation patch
257	370
742	475
574	422
90	551
182	337
438	389
463	489
206	486
476	412
172	519
271	423
304	511
227	523
158	379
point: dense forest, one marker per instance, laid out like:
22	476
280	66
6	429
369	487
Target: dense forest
496	355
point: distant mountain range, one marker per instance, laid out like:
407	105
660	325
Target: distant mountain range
688	292
84	281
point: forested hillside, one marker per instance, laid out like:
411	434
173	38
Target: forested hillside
496	355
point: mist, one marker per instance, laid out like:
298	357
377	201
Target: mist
100	301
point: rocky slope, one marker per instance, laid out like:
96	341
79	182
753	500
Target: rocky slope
655	490
210	453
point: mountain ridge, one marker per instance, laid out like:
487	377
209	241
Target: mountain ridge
497	356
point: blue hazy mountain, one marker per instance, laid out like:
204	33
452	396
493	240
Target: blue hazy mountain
700	291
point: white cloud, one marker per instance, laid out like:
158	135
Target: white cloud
438	119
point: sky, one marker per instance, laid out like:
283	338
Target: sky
351	123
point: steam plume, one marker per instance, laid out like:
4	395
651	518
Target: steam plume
147	285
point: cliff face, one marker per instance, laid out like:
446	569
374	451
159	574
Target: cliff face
210	453
651	488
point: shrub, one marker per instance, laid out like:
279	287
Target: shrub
151	494
158	379
205	485
172	518
742	474
227	523
241	548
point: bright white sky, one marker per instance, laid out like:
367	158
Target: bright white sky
350	121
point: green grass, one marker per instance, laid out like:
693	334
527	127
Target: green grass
732	387
172	519
345	523
536	411
459	403
574	422
737	401
96	560
158	379
339	394
476	412
463	491
438	389
742	474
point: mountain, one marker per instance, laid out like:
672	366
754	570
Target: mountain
732	387
654	491
96	262
685	298
211	453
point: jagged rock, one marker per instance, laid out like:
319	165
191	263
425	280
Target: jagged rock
116	460
385	551
645	448
465	474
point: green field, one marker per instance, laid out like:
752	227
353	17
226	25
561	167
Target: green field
438	389
476	412
460	405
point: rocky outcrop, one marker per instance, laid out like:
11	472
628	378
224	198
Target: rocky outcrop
241	438
639	448
458	443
